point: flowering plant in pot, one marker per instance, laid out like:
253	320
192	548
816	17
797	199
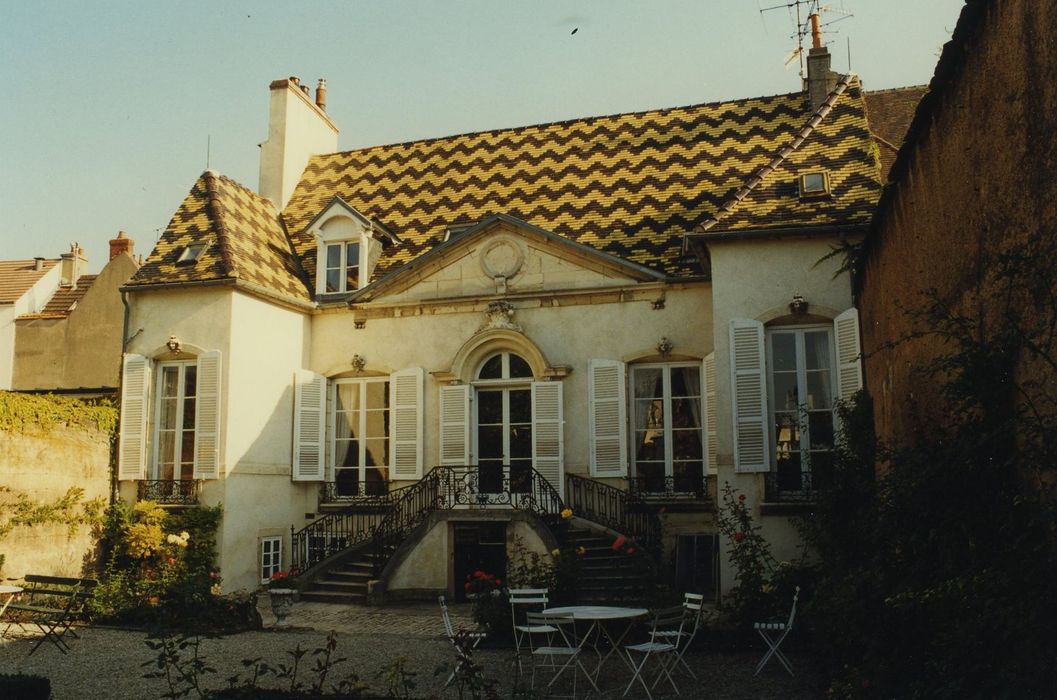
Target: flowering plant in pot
281	595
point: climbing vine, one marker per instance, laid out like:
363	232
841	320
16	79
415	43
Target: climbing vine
30	413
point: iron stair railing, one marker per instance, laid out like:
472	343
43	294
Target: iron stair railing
451	487
615	508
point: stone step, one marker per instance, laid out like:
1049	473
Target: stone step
334	597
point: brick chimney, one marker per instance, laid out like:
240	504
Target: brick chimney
298	128
73	266
121	244
820	80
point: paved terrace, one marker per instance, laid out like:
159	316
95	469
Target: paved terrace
106	663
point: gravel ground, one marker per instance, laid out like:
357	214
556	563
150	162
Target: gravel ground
106	663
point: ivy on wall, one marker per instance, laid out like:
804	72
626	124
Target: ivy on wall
40	413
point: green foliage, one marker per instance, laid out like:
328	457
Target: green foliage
70	509
20	686
161	570
468	675
182	673
399	682
752	598
30	413
935	578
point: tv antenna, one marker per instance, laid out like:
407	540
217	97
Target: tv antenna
801	12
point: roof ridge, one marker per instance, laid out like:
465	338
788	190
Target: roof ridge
757	177
217	214
923	86
560	122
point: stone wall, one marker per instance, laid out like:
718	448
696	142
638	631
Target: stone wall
975	179
44	463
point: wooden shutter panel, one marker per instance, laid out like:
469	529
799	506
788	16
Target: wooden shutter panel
849	364
455	425
135	393
547	427
310	410
749	394
207	417
405	439
709	397
607	417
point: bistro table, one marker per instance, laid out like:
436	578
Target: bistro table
599	616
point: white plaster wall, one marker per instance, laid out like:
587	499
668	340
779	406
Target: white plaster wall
567	335
268	343
757	279
31	302
426	566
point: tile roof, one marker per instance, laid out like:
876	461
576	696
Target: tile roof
890	113
244	236
17	276
65	299
629	184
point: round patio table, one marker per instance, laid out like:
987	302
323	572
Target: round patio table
601	618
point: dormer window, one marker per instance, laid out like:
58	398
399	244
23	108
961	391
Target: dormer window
343	266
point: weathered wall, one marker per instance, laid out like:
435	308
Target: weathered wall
83	349
44	465
978	178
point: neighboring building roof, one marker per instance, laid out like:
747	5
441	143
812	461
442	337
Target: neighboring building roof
17	276
628	184
890	113
244	238
65	299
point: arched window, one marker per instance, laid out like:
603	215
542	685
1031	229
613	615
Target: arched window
504	423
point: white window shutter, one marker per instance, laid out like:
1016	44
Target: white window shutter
708	394
548	444
749	394
310	409
135	392
207	417
608	417
405	437
849	364
455	425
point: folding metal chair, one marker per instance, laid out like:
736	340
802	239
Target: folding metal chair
475	636
693	606
526	597
774	633
667	624
558	647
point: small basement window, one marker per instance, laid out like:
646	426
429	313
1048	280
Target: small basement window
814	184
191	253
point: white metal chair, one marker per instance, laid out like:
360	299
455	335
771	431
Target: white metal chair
693	608
667	624
559	652
527	598
474	636
774	633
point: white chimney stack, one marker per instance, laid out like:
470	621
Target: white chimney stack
298	128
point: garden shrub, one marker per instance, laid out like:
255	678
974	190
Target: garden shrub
19	686
935	578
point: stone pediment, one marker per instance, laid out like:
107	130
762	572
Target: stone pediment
504	256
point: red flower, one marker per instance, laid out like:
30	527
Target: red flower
499	582
631	550
480	574
619	542
466	586
741	498
739	536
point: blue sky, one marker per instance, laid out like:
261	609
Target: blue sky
108	105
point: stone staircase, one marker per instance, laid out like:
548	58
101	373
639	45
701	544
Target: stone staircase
607	575
345	582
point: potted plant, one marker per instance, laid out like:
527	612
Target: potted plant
282	597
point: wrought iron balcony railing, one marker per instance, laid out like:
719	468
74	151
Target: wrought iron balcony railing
791	487
668	488
169	492
613	508
374	494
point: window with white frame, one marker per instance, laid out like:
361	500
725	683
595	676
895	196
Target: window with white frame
504	423
271	557
801	389
342	271
359	449
174	422
666	427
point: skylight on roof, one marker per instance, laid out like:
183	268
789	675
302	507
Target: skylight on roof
191	253
814	184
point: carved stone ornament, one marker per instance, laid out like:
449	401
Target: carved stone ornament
358	363
500	315
664	348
